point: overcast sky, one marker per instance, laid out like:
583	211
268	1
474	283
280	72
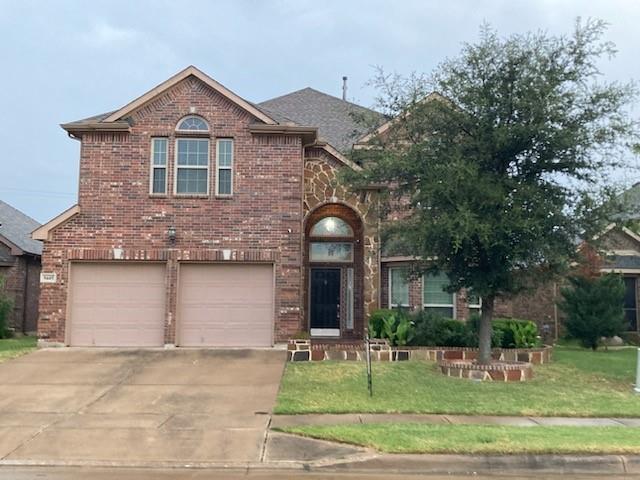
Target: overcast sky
66	60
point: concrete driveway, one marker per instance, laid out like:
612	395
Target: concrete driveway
137	406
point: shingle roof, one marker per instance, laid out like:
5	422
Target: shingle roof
337	120
16	227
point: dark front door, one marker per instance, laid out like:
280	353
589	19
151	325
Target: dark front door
325	301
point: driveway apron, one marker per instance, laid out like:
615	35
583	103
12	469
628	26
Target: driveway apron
136	406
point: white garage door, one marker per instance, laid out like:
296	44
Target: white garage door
117	304
225	305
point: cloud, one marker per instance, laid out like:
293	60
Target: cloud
104	35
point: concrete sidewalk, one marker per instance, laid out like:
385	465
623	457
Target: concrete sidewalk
280	421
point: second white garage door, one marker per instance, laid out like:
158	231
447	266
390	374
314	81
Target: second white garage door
225	305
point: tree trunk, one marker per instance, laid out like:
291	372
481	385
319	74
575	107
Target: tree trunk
484	336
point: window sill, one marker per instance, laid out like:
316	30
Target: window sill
158	195
224	197
191	195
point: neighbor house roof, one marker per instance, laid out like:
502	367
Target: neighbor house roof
340	123
16	228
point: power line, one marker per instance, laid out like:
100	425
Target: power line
40	193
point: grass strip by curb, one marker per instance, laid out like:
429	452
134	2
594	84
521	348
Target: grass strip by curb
478	439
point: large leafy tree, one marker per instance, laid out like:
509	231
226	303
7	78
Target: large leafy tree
494	177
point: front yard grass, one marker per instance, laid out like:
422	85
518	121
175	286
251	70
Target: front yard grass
15	347
480	439
578	383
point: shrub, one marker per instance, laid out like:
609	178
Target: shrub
517	333
433	330
6	305
594	308
394	325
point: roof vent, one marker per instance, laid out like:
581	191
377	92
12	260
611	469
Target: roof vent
344	88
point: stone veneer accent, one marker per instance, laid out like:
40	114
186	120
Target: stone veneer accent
321	188
496	372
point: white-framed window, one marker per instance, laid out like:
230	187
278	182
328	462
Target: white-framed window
158	180
398	287
224	166
474	302
435	298
192	123
192	166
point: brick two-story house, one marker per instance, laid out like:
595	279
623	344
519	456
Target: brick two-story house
206	220
20	267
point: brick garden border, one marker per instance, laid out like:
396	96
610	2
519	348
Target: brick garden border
496	371
307	350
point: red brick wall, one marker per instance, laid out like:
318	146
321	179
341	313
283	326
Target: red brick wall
22	283
261	222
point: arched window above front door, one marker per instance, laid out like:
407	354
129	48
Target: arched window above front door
331	227
331	241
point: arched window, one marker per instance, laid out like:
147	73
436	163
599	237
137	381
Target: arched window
331	241
331	227
193	124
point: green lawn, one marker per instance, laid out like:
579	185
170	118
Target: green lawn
578	383
14	347
485	439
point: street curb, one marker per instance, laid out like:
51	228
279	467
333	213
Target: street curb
495	464
396	463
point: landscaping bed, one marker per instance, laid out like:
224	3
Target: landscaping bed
479	439
309	350
579	383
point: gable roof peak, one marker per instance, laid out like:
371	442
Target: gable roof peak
115	120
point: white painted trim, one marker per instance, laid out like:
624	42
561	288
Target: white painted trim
195	132
324	332
153	166
231	168
177	78
390	285
454	299
44	231
621	270
195	167
631	234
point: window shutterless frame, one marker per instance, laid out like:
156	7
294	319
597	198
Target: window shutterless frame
158	171
390	280
451	305
178	167
224	163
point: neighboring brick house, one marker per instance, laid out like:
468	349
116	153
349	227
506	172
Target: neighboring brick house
20	267
207	220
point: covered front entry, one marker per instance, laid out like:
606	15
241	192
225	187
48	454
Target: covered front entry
225	305
334	272
325	302
117	304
